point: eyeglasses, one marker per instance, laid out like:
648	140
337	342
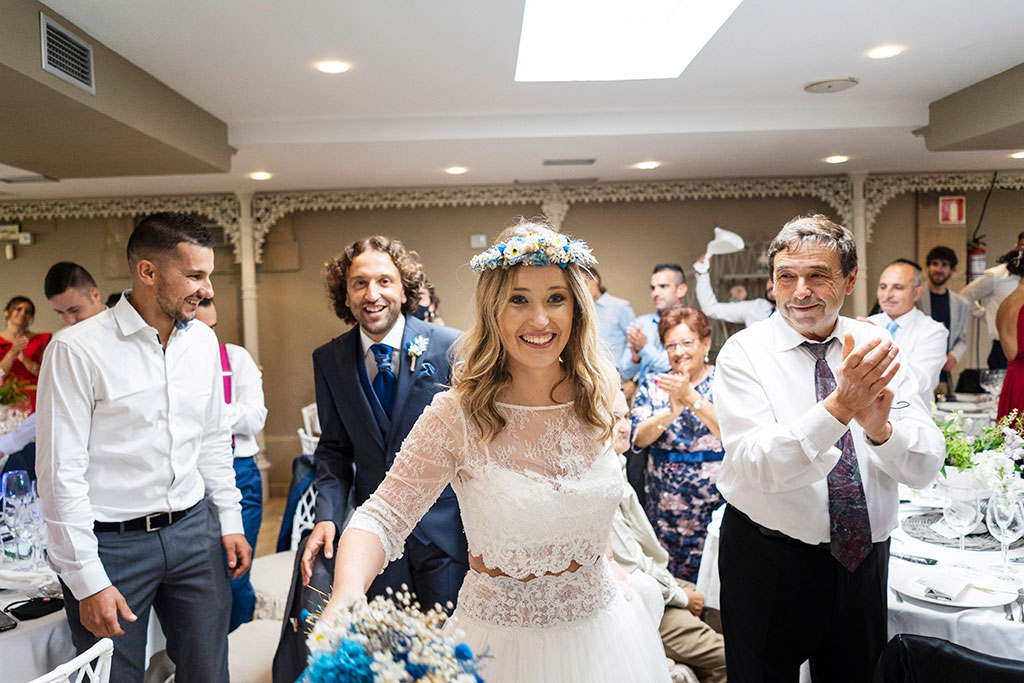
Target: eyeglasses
686	345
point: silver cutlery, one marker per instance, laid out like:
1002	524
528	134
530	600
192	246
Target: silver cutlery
1008	608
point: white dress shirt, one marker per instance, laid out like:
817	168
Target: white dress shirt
746	312
247	412
393	339
994	285
922	343
780	440
126	429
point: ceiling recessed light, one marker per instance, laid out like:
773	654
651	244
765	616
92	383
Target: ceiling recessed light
1017	155
332	66
647	165
837	159
885	51
260	175
456	170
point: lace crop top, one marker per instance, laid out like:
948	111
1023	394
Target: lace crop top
539	496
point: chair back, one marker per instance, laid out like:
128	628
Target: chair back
311	420
307	442
305	515
92	666
910	658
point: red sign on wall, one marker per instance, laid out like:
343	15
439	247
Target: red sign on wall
952	210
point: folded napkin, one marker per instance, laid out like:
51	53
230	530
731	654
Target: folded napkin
18	577
946	586
725	242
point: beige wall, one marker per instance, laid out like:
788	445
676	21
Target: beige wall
294	316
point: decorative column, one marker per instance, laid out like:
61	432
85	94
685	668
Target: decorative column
247	254
860	233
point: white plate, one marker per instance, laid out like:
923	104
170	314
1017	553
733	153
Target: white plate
906	586
968	409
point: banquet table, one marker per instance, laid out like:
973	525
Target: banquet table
985	629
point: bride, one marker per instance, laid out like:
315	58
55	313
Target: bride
524	438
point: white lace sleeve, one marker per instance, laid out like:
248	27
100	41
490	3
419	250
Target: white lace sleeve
423	467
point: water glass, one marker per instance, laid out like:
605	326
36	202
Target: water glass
1005	521
962	510
992	381
16	487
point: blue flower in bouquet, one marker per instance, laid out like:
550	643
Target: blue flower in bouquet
347	664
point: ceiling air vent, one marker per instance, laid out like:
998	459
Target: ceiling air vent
65	55
569	162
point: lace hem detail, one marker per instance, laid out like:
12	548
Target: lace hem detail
544	602
394	546
520	563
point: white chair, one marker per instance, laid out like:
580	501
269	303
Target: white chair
93	666
311	420
305	515
307	442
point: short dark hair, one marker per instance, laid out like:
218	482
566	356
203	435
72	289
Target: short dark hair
1020	236
691	317
407	262
67	275
918	282
159	234
15	300
942	254
675	268
597	278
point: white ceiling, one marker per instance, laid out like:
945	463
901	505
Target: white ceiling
432	86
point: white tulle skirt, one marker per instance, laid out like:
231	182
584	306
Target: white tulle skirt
578	626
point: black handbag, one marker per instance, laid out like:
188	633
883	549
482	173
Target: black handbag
33	608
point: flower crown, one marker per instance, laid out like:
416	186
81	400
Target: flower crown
534	250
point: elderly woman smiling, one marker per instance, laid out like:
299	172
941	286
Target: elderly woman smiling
674	415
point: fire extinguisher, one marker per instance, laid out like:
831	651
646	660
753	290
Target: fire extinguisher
975	260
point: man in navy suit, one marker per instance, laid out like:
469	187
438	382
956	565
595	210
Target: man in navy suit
372	383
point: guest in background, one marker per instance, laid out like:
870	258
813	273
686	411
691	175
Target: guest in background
614	316
989	290
811	470
644	354
1010	324
674	415
72	292
946	307
746	312
921	340
112	299
686	638
428	305
245	410
21	350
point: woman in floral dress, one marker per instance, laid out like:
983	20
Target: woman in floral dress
674	415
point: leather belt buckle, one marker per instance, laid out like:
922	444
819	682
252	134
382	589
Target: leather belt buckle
150	519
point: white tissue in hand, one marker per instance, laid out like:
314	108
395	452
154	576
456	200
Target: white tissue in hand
725	242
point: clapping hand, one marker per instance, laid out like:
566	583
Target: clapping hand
636	337
677	386
861	386
18	346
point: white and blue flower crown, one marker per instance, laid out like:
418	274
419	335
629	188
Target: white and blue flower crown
534	250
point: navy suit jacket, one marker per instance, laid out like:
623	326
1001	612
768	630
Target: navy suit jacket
358	442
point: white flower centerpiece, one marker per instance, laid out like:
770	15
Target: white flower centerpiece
992	460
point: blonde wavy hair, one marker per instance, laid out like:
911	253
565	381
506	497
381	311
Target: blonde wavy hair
481	371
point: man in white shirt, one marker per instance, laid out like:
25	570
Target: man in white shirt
746	312
246	413
134	463
921	340
814	448
613	317
989	290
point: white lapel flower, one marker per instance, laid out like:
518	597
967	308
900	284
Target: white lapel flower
416	348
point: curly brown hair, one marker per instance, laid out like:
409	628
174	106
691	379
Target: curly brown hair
407	262
684	315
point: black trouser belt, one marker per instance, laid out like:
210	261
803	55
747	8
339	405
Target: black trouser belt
153	522
772	533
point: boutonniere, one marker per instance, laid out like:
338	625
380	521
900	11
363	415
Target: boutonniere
416	348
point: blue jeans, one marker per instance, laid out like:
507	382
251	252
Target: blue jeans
247	479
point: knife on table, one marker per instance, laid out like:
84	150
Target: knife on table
916	559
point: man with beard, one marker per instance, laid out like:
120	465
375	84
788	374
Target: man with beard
946	307
135	467
746	312
372	383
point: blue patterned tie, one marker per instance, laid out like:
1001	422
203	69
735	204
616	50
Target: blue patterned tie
892	327
849	525
384	382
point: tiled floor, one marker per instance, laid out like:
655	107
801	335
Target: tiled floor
266	543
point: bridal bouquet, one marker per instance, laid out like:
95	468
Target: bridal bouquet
388	641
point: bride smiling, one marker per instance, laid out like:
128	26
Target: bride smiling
524	438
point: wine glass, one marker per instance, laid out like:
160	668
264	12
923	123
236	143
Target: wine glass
992	381
962	511
1005	521
15	489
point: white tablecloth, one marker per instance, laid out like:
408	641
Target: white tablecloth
982	629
